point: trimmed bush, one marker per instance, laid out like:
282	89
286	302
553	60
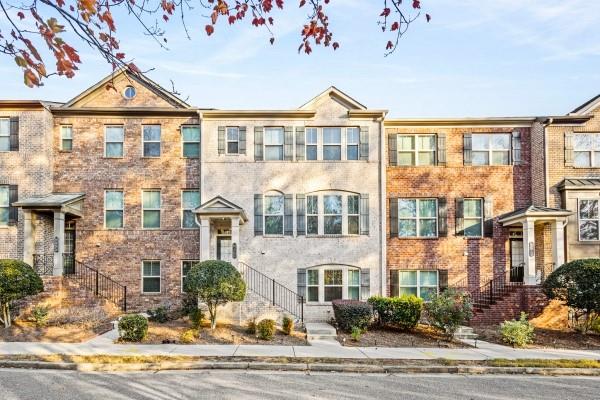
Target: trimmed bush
596	325
133	328
160	314
188	336
401	312
449	310
196	318
40	314
17	280
251	326
266	329
287	325
517	333
352	313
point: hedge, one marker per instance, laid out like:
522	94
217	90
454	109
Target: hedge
401	312
352	314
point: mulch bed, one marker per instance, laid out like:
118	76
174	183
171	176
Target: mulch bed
421	336
170	332
547	338
22	331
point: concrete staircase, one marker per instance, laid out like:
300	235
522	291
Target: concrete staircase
465	332
320	331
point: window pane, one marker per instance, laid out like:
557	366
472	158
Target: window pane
4	143
333	293
353	225
114	219
480	158
187	265
190	199
426	142
189	219
352	204
353	277
152	132
66	132
588	209
409	291
313	293
273	204
333	225
472	227
332	152
114	200
427	208
472	207
354	292
151	199
480	142
407	278
312	277
67	144
191	150
582	142
312	205
407	208
4	216
332	204
406	142
333	277
581	159
273	136
406	158
274	225
232	147
426	158
500	158
151	219
428	293
500	142
147	268
596	162
407	228
312	225
233	134
114	149
4	127
352	153
311	135
152	149
151	285
352	135
588	230
428	278
332	135
311	152
273	153
114	133
4	198
427	228
190	133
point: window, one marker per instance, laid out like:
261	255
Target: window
423	284
490	149
332	282
312	215
233	140
353	215
273	215
190	138
588	220
332	143
4	205
586	150
113	209
4	134
66	138
416	149
190	200
332	211
311	143
151	139
417	217
352	142
473	217
273	143
185	269
151	277
129	92
151	209
113	141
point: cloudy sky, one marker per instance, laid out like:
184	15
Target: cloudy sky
475	58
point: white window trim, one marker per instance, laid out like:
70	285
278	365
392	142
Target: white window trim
321	213
343	215
152	141
7	205
114	209
122	142
591	151
62	137
348	143
181	271
227	141
579	220
418	218
306	144
265	215
418	285
312	215
415	150
159	276
265	145
7	135
491	151
482	218
183	142
187	209
341	143
321	285
152	209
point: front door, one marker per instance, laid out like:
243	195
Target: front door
224	248
517	260
69	255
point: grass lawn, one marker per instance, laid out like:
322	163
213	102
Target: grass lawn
421	336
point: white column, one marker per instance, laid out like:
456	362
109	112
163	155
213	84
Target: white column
235	238
529	252
28	237
558	243
204	238
58	242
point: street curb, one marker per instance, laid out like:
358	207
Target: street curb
315	367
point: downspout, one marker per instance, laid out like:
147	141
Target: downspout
382	212
200	183
545	124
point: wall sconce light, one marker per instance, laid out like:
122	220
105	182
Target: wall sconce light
234	251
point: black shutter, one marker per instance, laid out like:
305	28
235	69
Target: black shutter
442	217
459	213
300	141
258	214
393	148
242	140
14	134
467	149
221	140
569	149
300	214
443	279
394	217
258	143
364	213
516	148
13	197
301	282
364	143
441	149
365	283
394	283
288	213
288	143
488	213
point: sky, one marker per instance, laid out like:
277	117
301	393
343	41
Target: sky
475	58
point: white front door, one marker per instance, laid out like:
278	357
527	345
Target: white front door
224	251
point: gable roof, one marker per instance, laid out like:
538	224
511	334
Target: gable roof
220	206
588	106
141	79
335	94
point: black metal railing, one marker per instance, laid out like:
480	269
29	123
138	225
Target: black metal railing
497	288
277	294
43	264
96	282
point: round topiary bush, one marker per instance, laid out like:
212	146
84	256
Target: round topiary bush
133	328
17	280
266	329
352	314
402	312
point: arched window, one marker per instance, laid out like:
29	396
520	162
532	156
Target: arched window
273	213
326	283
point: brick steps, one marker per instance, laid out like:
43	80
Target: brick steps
528	299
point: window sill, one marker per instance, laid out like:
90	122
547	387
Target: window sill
151	229
275	236
65	151
113	158
417	238
330	236
151	293
150	158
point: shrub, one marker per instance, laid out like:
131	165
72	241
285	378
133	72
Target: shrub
40	314
266	329
449	310
188	336
577	284
287	325
251	326
17	280
215	283
160	314
352	313
517	333
402	312
196	318
356	333
595	327
189	304
87	317
133	327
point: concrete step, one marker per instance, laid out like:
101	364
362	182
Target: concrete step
320	331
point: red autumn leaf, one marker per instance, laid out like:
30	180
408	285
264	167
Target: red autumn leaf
335	45
385	12
302	3
134	68
416	4
428	17
272	40
21	15
120	56
395	26
389	45
209	29
231	19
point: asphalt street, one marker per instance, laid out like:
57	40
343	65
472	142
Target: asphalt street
165	385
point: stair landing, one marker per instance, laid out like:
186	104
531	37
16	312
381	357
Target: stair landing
320	331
